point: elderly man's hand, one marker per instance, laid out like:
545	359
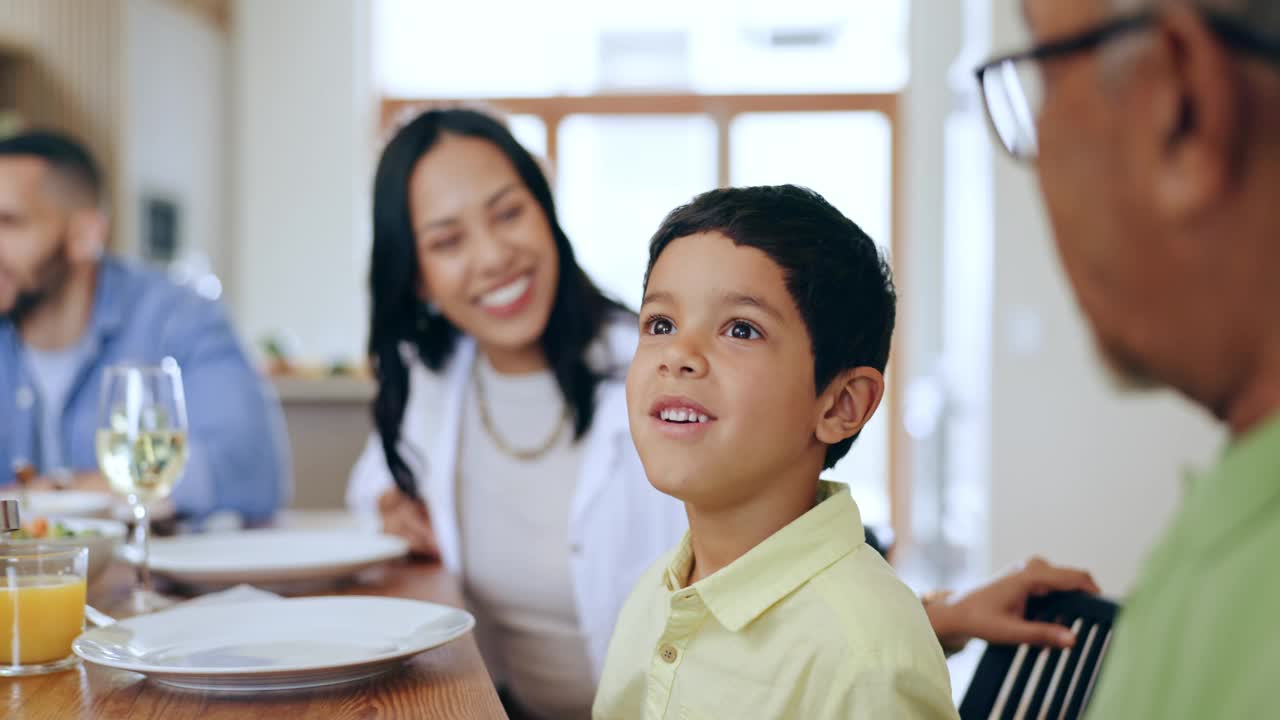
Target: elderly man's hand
994	612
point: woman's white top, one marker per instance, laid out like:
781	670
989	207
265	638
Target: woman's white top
617	523
513	521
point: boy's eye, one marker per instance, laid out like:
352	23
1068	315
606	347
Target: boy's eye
740	330
660	326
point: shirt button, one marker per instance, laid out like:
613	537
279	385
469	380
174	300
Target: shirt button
668	653
26	398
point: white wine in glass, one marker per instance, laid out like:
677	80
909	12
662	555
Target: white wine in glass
146	466
141	445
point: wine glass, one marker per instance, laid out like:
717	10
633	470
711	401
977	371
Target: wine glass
141	445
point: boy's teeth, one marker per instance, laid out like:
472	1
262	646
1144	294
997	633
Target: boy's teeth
681	415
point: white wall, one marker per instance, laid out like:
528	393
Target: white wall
174	126
303	108
1079	472
935	39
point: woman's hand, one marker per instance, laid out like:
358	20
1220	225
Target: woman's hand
994	612
407	518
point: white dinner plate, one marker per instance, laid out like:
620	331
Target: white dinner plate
273	644
271	556
63	503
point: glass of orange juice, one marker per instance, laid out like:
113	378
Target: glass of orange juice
42	597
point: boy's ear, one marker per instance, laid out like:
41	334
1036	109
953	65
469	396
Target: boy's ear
848	403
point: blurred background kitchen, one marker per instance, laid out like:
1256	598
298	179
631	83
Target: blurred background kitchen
239	137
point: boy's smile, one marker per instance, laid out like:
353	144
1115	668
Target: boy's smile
680	417
721	394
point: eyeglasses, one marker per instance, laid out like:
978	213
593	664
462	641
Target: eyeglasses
1013	85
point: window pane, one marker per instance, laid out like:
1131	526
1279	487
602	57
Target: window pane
568	47
461	50
847	158
807	46
531	132
618	176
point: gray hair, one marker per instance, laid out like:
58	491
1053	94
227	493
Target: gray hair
1262	16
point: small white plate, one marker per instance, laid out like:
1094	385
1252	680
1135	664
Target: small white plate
271	556
273	644
62	503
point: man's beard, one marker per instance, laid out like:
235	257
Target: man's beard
50	280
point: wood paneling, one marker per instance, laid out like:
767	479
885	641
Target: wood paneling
70	74
216	12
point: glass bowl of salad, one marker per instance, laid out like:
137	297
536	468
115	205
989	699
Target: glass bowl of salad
102	537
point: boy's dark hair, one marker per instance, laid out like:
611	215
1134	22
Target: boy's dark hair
67	158
836	275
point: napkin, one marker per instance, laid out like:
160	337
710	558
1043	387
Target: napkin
237	594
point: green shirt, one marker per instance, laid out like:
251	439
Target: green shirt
1200	635
809	624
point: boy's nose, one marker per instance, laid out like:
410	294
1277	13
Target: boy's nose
683	360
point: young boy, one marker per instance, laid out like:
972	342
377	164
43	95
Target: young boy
765	331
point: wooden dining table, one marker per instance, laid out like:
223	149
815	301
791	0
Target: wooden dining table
447	682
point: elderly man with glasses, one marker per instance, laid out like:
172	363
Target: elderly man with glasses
1154	128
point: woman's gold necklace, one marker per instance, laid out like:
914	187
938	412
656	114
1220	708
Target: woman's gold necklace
525	455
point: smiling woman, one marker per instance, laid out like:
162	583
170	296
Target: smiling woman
489	267
502	442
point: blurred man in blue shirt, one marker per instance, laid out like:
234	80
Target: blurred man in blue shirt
67	311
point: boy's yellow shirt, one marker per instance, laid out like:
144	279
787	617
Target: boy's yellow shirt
811	623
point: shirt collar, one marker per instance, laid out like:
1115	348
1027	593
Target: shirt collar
767	573
1245	482
109	302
